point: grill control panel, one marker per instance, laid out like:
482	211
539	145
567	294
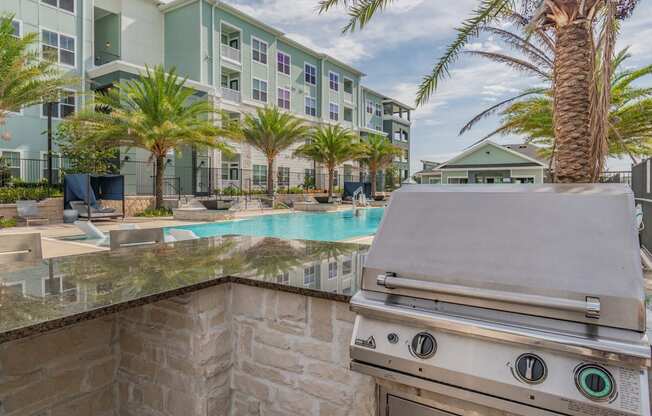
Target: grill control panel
562	383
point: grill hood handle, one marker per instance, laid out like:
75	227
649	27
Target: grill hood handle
590	307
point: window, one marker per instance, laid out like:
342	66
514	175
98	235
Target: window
336	178
259	51
309	275
66	5
260	90
11	160
65	107
310	74
284	98
334	81
332	270
529	179
58	48
283	176
370	107
260	175
18	28
434	181
348	86
405	136
283	63
311	106
397	136
347	267
348	114
283	278
379	110
334	112
458	181
56	166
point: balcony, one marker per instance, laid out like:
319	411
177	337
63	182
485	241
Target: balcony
231	95
348	97
232	54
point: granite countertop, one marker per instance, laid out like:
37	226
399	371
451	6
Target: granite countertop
36	297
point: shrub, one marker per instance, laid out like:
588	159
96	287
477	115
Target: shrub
7	222
230	191
155	213
9	195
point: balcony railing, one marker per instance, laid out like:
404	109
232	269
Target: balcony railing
103	58
232	54
348	97
231	95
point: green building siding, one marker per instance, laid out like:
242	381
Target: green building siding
182	40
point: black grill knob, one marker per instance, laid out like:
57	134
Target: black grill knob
423	345
531	369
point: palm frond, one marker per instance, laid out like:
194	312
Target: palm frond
495	108
525	47
486	13
516	63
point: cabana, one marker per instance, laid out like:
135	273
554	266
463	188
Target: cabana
83	191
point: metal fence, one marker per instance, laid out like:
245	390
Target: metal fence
642	186
617	176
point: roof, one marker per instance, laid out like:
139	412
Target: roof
535	161
528	150
220	4
386	98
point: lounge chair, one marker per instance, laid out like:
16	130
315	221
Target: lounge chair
29	211
182	235
20	247
95	213
127	238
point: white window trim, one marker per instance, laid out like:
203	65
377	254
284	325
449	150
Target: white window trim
252	89
290	63
305	64
289	98
338	111
40	37
352	85
59	118
20	283
373	106
22	157
252	50
339	81
74	6
304	106
20	27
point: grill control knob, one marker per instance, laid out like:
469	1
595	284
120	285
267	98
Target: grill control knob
595	382
423	345
530	369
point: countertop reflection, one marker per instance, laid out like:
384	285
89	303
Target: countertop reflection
40	296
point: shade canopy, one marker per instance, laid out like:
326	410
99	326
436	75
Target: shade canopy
91	188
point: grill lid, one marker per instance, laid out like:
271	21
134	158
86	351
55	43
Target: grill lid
560	251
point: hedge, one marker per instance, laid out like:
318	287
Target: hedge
9	195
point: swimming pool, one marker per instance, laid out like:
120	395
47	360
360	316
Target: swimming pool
332	226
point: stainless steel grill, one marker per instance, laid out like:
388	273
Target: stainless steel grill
507	300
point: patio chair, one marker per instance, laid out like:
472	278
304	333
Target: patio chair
29	212
95	213
127	238
182	235
20	247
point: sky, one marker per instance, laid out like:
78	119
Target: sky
402	45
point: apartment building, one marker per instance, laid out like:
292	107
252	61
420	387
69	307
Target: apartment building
228	57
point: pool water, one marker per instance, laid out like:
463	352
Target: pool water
332	226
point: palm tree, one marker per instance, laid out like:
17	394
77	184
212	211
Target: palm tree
25	79
331	146
154	112
530	112
575	111
377	152
271	131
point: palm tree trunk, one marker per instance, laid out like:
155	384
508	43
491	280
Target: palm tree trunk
160	174
331	179
270	176
572	113
373	173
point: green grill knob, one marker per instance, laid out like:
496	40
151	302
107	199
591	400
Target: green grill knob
595	382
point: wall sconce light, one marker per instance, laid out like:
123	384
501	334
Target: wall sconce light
108	45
